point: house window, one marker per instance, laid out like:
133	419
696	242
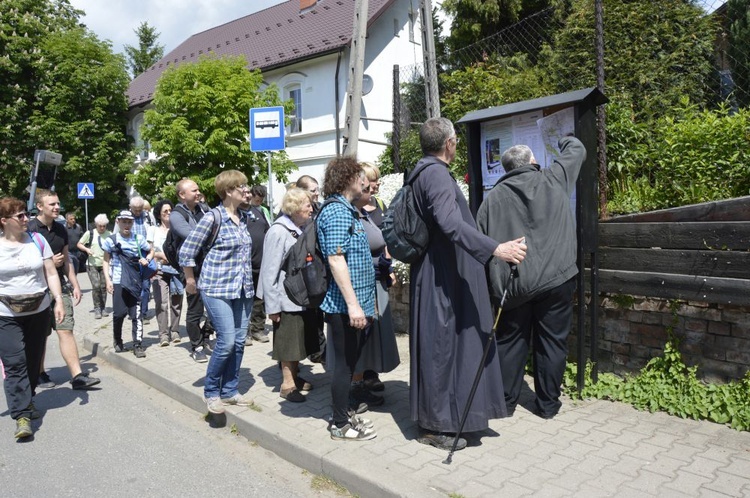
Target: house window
411	26
294	93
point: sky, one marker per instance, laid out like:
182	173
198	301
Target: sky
176	20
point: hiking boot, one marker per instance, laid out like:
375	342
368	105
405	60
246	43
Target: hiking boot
199	355
44	381
238	400
83	381
139	351
215	405
23	428
362	394
260	337
98	314
349	433
441	440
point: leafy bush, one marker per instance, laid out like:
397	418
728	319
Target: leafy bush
667	384
688	157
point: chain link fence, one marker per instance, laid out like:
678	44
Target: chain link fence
540	47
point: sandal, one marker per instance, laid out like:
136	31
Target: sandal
302	385
292	395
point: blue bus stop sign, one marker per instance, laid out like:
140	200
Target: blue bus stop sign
267	129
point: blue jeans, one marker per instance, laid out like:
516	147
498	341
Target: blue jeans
229	317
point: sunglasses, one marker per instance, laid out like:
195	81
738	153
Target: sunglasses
20	216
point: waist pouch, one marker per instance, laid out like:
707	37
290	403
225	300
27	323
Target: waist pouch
23	303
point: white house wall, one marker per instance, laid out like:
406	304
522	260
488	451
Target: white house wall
388	43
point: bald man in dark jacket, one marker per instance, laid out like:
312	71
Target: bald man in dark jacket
535	203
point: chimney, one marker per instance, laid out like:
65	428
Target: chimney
306	4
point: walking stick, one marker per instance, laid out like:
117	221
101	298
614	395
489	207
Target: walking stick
490	340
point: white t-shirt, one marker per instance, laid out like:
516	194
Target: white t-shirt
22	271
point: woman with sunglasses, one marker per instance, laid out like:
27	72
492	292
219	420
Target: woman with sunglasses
26	274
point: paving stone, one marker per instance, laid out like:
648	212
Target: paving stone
592	448
648	482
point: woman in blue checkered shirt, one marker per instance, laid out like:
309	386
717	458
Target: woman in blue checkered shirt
226	287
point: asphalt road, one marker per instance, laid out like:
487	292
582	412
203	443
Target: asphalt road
126	439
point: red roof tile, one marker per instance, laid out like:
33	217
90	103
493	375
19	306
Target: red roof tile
276	36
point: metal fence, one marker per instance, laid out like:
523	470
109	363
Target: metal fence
534	38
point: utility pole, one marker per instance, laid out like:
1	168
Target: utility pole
356	72
432	96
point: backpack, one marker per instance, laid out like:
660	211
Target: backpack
307	276
405	232
172	243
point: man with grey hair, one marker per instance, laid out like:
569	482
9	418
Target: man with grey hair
141	223
91	244
451	316
535	202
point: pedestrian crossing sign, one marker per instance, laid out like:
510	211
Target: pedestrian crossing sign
85	190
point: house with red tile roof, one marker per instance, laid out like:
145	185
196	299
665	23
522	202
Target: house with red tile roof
303	47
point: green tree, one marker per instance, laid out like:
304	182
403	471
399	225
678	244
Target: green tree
148	51
23	26
199	124
63	90
81	113
655	52
474	20
738	13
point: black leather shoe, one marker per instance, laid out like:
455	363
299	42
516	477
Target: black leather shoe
441	440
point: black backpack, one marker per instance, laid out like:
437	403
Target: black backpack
307	276
405	232
172	243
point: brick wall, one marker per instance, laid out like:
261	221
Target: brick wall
633	330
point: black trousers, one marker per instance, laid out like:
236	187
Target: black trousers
543	322
21	351
193	319
346	342
125	304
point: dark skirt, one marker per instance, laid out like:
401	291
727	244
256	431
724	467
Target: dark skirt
380	351
295	336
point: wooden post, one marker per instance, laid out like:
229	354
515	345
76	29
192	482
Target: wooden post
396	135
354	85
432	95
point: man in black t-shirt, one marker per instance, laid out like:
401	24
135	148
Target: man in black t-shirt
56	235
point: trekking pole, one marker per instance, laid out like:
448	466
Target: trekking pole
490	340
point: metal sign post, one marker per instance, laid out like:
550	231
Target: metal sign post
86	192
267	135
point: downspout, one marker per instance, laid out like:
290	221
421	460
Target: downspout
336	98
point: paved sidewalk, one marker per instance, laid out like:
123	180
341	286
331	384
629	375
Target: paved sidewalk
592	448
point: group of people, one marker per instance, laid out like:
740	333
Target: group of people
38	290
224	273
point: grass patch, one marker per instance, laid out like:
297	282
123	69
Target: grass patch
323	483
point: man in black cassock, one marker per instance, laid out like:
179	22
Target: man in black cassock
450	316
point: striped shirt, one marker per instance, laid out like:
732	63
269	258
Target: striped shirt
341	232
227	268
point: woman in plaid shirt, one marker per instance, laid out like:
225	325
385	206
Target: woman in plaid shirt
226	287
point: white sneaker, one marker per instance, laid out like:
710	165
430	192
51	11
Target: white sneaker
238	400
215	405
349	433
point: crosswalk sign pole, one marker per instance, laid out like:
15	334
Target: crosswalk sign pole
86	207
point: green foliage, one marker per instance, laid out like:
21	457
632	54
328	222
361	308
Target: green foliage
497	81
667	384
148	51
738	14
198	126
63	90
687	157
473	20
660	52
